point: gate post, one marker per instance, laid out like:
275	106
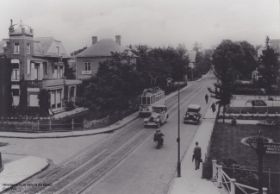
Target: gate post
220	171
38	125
72	124
214	170
232	186
1	164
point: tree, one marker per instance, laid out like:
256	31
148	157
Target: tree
248	60
223	59
5	86
203	61
156	65
269	66
115	86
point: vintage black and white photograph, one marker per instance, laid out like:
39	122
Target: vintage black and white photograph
140	96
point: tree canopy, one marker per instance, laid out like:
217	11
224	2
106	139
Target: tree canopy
269	66
224	70
122	78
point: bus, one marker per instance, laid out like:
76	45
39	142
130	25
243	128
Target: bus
148	98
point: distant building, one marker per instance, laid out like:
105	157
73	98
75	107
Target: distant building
88	61
37	64
256	76
275	44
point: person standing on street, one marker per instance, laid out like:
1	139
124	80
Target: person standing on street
197	156
213	107
206	98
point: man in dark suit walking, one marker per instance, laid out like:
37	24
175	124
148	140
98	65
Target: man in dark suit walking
197	156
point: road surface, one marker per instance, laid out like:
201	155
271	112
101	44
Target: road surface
126	162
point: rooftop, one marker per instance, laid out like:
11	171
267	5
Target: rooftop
102	48
48	46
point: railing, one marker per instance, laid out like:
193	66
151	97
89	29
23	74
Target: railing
229	184
39	125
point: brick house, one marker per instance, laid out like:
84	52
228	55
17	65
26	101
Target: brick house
37	64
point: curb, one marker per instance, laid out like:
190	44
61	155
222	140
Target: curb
90	132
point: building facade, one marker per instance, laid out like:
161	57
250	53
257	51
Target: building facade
88	61
37	64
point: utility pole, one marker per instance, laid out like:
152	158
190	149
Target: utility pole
178	138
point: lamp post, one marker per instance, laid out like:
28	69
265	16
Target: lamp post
178	138
260	150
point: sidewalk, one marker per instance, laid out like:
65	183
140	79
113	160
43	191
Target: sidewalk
17	171
191	182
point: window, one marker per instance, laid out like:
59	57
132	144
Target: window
55	73
15	92
36	71
33	100
15	96
45	67
16	48
52	99
15	75
58	98
87	66
28	48
60	74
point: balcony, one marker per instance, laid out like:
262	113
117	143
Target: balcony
45	83
86	72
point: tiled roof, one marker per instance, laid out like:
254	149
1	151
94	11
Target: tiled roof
102	48
48	46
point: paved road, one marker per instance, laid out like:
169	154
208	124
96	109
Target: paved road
125	162
148	170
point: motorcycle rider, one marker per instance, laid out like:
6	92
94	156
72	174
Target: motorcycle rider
158	137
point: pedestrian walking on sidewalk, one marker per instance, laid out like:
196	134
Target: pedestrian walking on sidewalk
197	156
206	98
213	107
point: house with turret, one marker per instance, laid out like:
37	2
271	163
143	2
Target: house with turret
37	64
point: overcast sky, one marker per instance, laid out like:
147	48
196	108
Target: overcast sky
151	22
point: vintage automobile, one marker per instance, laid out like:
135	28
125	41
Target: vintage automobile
255	103
193	114
158	116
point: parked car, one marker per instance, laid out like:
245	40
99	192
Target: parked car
158	116
256	103
193	114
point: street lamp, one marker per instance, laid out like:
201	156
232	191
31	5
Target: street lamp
260	150
178	138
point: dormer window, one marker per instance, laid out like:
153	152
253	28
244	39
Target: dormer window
28	48
16	48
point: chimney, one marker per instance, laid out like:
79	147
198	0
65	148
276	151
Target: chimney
118	39
94	39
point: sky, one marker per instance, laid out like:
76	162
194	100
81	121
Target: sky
149	22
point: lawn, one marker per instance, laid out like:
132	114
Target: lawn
226	146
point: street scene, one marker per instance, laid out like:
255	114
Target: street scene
120	97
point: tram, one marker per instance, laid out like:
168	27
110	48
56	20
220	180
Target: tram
148	98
